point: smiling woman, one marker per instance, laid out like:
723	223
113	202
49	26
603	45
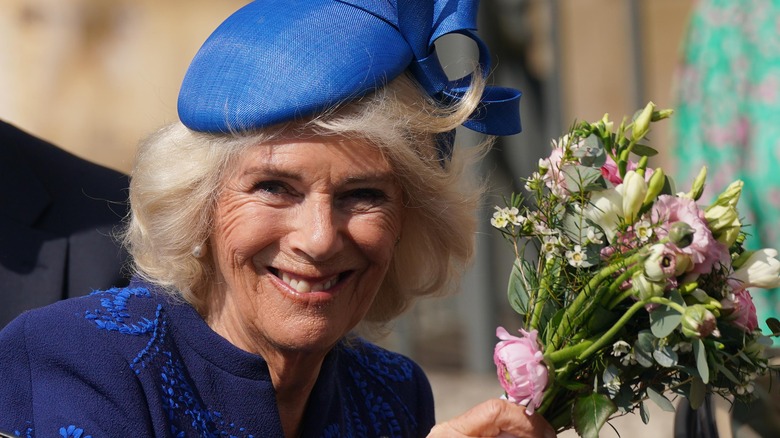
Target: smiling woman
281	212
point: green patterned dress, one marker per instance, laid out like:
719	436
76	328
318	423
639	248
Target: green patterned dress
728	115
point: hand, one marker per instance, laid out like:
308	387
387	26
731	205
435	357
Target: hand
494	418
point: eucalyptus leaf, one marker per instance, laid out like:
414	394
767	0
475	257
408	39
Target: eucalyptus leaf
665	356
591	152
701	360
610	373
676	297
591	412
660	400
774	325
518	296
644	413
581	178
663	321
697	392
643	348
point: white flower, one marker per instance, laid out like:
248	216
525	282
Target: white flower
544	165
643	230
577	257
761	269
534	182
683	347
633	189
606	211
745	388
628	359
550	245
594	236
500	218
514	217
620	348
613	385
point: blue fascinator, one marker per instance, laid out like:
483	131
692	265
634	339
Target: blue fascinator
274	61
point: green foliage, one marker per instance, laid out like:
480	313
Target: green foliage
610	318
591	412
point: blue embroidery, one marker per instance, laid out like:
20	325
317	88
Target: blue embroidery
116	308
28	432
177	395
372	368
72	432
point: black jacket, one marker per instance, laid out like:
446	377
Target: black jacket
58	214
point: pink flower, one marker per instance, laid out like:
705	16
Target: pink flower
743	313
610	171
554	178
704	250
521	369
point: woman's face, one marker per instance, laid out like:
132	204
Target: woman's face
304	232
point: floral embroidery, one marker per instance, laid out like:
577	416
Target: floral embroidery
73	432
364	399
115	312
184	409
28	431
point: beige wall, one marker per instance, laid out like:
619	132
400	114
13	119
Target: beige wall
94	76
597	65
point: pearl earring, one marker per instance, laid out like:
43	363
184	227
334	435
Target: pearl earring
197	251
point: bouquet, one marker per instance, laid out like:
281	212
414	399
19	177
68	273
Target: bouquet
633	290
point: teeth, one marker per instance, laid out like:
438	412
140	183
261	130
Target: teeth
304	286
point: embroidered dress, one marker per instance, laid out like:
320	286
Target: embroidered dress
728	115
129	362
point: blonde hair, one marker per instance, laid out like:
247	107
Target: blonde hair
178	172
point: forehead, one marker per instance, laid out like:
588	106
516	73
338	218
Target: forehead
332	153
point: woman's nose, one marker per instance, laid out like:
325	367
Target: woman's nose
316	233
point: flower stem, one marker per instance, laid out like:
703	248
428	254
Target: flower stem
574	314
541	298
606	337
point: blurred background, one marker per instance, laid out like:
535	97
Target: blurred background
96	76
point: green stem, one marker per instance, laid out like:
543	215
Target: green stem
574	314
619	299
566	354
544	292
667	302
618	283
606	337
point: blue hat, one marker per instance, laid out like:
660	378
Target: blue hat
274	61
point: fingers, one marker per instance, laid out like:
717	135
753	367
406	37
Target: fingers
495	418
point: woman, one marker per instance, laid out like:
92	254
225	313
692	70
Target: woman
301	195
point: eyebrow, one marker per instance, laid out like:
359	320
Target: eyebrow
273	171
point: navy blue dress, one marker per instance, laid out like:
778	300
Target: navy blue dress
130	362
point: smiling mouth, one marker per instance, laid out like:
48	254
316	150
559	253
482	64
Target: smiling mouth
302	285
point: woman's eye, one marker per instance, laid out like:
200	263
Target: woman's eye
363	198
272	187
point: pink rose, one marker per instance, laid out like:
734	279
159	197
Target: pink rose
743	313
704	250
521	369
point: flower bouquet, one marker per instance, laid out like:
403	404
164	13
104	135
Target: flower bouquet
634	291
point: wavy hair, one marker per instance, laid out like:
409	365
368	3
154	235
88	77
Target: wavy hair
177	177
